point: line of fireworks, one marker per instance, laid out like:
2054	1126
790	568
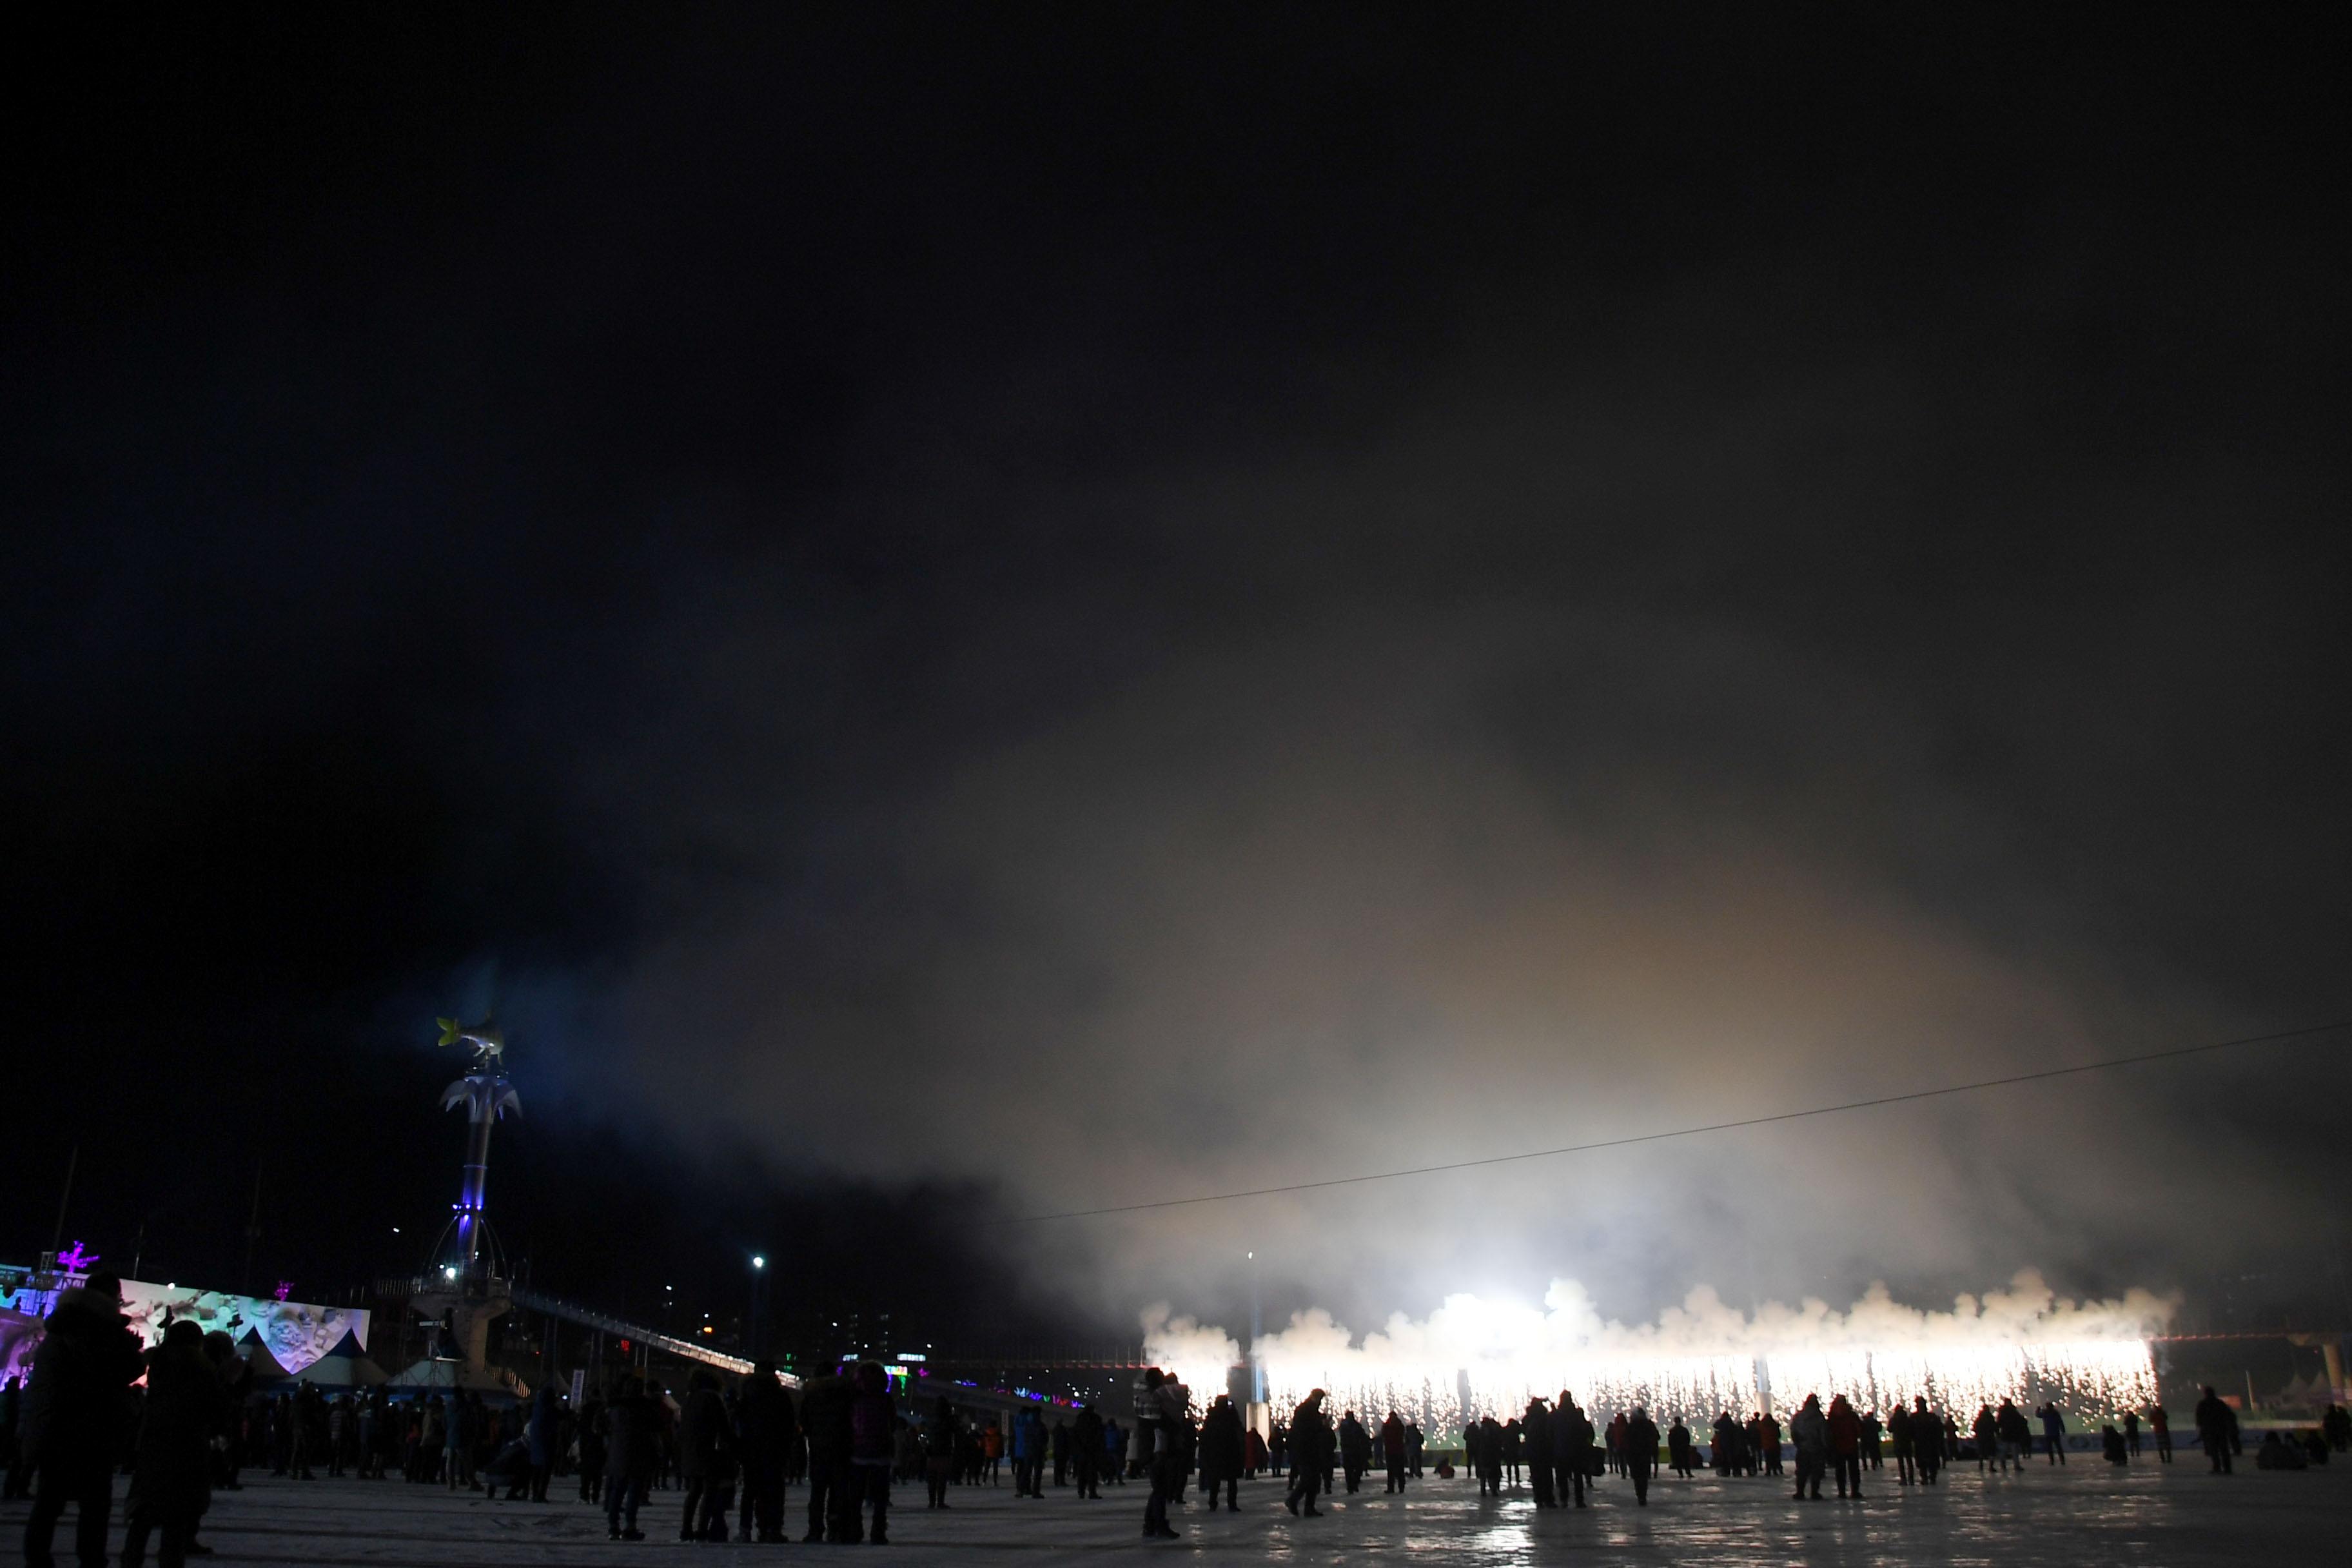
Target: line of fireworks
1474	1358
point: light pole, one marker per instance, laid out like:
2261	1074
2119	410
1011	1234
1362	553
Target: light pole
758	1335
1258	1373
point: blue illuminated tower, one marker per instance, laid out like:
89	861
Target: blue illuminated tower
465	1285
487	1094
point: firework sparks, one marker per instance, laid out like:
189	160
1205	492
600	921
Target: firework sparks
1473	1357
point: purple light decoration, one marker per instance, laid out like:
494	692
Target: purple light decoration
75	1260
285	1289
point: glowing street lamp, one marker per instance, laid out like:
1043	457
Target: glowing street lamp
756	1333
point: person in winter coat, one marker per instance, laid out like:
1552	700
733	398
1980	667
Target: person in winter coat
75	1410
1810	1429
1088	1448
539	1435
764	1434
1986	1434
1392	1451
1255	1456
1029	1440
628	1460
1355	1450
1308	1427
1898	1438
460	1437
2016	1435
1565	1456
1220	1453
873	1426
1571	1451
592	1451
940	1434
2053	1433
1171	1400
1926	1428
706	1460
1642	1452
1534	1439
2217	1430
1845	1447
171	1483
825	1424
1489	1456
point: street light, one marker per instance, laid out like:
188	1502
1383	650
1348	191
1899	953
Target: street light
758	1334
1256	1372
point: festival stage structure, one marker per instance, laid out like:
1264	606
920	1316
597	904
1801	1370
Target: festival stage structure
283	1336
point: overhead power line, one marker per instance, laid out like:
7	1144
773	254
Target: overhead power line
1693	1131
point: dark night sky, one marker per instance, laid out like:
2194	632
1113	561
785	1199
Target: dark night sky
961	610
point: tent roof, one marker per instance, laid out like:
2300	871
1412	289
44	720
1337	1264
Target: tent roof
267	1368
339	1371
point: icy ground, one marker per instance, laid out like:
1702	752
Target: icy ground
2085	1515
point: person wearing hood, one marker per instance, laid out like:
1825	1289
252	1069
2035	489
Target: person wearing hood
1220	1453
1308	1429
1810	1429
75	1411
1927	1440
1029	1440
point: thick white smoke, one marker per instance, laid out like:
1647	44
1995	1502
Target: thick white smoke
1477	1357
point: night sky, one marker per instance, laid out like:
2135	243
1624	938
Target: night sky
962	612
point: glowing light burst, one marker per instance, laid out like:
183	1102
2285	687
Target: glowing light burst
1474	1358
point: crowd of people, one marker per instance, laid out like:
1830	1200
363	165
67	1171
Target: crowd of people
183	1419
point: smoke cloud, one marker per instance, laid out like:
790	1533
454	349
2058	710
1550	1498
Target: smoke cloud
949	610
